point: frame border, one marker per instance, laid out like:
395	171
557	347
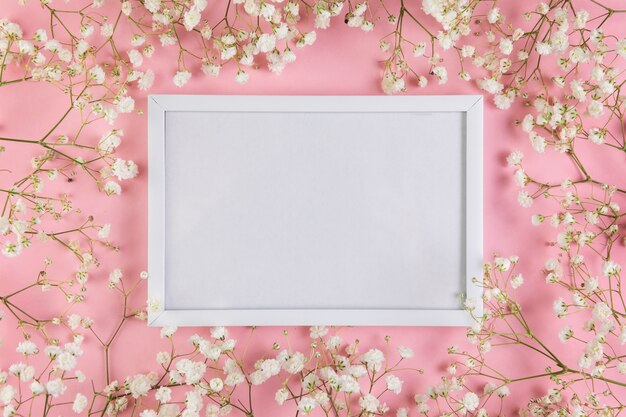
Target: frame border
471	105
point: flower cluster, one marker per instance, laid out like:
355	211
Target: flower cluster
69	62
592	386
249	32
336	378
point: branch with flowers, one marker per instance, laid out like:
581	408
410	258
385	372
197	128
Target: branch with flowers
562	61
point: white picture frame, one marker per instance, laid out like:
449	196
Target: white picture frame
230	127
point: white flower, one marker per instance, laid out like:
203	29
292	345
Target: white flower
153	6
334	342
503	391
322	19
402	412
80	402
74	322
111	187
502	264
579	54
163	394
515	158
27	348
595	108
543	48
517	281
266	43
216	384
348	384
441	73
528	123
192	371
135	57
493	15
191	18
468	51
96	74
524	199
369	403
578	90
559	307
242	77
104	231
307	404
607	87
506	46
212	410
620	47
168	331
307	39
292	363
193	402
591	284
611	269
597	135
181	78
490	85
581	18
360	8
126	104
65	361
566	333
7	394
146	80
281	396
210	350
538	142
601	312
154	305
110	141
52	351
390	84
138	385
521	179
36	388
55	387
405	352
317	332
124	170
559	41
373	359
419	49
470	401
219	333
23	371
445	40
394	384
267	11
355	21
211	69
537	219
503	101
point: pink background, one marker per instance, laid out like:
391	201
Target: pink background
343	61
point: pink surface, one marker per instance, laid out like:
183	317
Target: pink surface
345	62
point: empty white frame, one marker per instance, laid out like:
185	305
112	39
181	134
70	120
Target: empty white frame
272	210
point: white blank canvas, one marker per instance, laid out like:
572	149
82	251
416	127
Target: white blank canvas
312	211
331	210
